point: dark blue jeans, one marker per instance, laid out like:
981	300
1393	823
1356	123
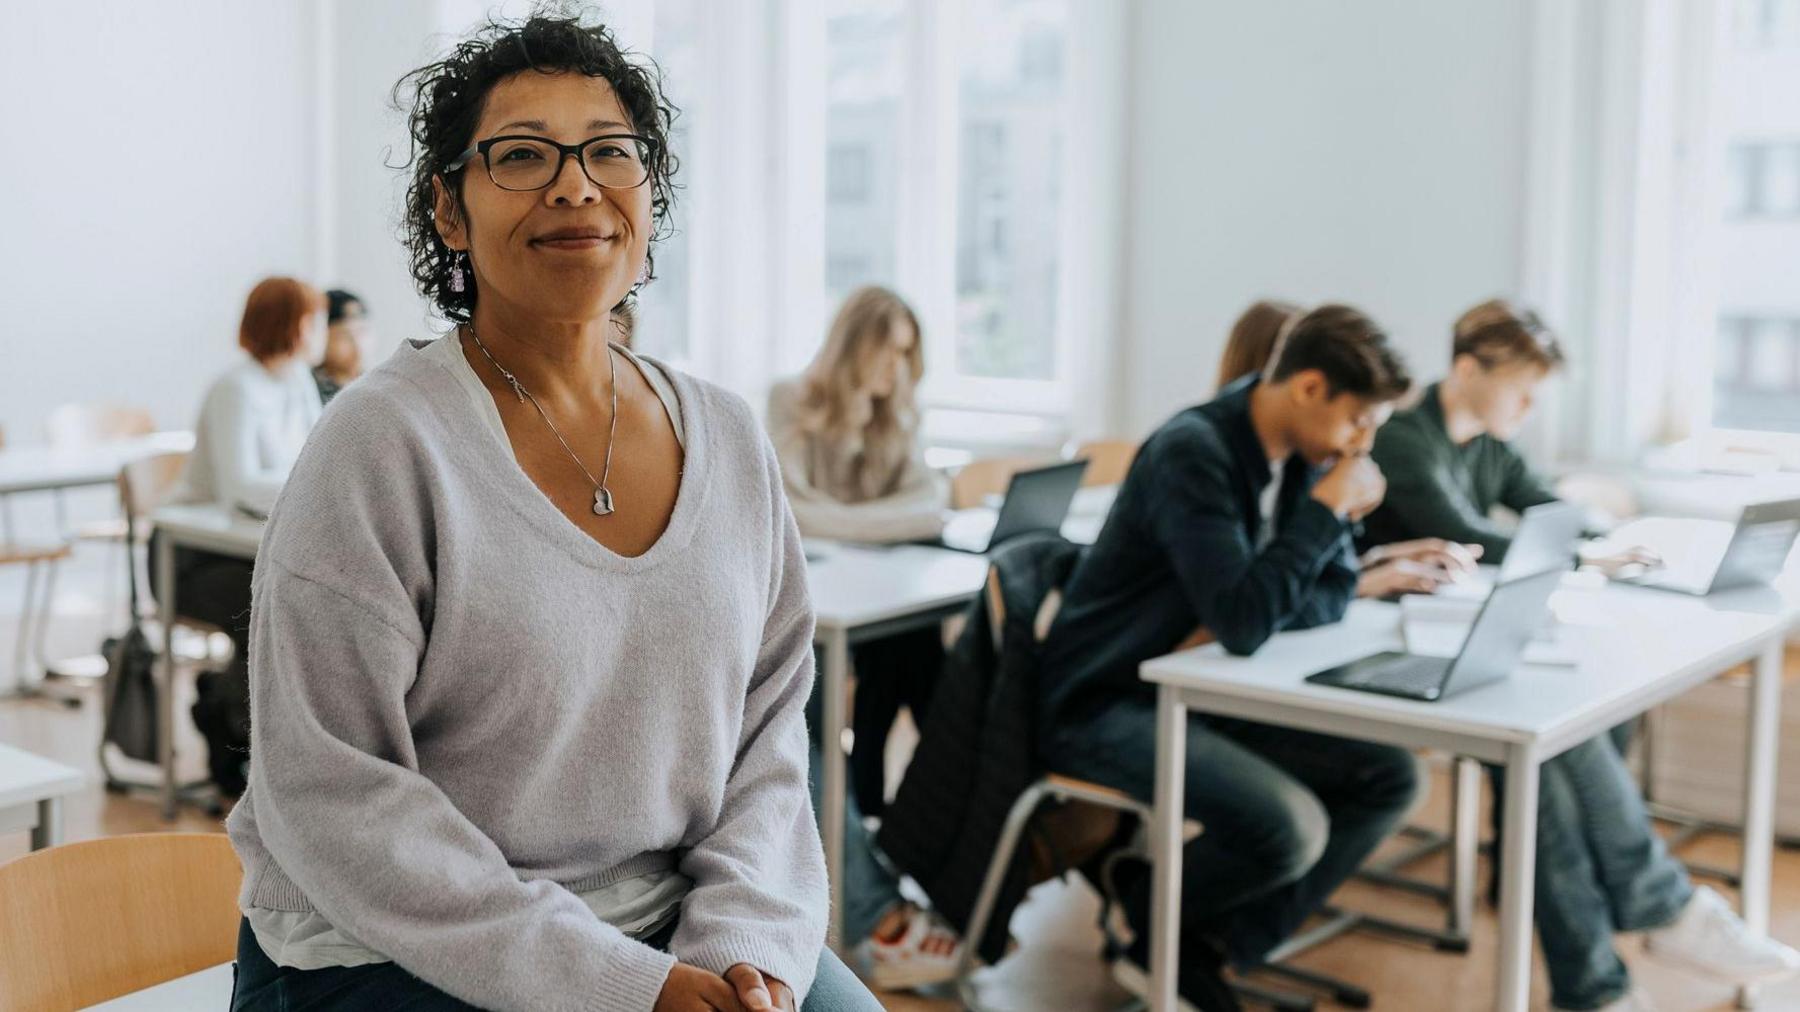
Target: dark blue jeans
1601	869
261	986
1288	815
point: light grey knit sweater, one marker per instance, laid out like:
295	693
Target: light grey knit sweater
463	707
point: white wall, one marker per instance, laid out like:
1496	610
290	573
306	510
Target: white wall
158	162
374	45
1315	150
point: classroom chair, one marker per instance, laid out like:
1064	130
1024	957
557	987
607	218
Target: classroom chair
87	922
1099	854
1108	460
39	559
82	424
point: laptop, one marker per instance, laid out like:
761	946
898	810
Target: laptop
1495	644
1036	500
1706	556
1546	539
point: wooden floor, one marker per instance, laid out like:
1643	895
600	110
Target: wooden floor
1057	968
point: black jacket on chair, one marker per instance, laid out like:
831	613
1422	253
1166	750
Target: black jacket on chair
978	747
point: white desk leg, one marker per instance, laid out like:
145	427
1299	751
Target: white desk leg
1763	739
1465	840
1165	848
1519	871
49	831
165	695
832	789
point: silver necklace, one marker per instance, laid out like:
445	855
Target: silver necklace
603	500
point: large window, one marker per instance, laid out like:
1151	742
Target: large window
830	144
944	171
1756	351
1007	191
864	75
665	309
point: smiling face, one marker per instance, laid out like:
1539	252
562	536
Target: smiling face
570	251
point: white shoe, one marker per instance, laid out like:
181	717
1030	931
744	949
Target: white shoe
1636	1001
926	953
1709	939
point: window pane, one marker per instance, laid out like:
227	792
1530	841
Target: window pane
1756	347
664	306
865	68
1012	88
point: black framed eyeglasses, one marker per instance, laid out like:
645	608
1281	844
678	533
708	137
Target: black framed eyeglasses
525	162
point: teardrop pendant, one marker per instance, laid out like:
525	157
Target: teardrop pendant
603	504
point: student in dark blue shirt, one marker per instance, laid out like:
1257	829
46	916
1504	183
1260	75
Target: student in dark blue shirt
1234	524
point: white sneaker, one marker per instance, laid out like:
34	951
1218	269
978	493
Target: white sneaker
926	953
1709	939
1636	1001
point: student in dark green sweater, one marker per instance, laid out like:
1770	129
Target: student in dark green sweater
1448	459
1601	867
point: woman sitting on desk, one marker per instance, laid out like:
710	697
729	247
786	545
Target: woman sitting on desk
533	641
253	422
1416	566
847	434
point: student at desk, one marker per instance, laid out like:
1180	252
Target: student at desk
253	422
1417	566
346	333
533	637
1601	866
1234	524
847	434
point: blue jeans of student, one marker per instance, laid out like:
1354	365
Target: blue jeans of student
1288	815
261	986
870	888
1601	869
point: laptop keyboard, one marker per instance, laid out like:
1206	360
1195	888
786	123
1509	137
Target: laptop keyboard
1414	676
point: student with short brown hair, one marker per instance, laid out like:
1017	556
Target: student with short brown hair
1234	522
1601	867
1417	566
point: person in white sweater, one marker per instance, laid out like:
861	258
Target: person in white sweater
533	641
253	422
847	434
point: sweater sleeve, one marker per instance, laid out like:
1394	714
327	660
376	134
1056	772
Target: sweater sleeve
339	802
1241	595
914	511
1523	487
1424	500
238	472
759	893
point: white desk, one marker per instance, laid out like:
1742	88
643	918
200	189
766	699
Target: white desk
209	528
31	793
1638	648
208	989
42	468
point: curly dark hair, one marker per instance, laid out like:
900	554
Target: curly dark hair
444	100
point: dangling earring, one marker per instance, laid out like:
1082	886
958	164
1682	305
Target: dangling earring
643	273
456	273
